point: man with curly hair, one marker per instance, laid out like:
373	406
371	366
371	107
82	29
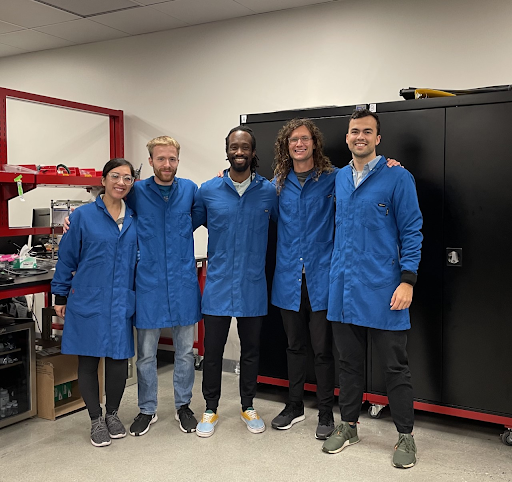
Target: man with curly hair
304	178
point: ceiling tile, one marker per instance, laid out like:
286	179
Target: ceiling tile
6	50
8	27
201	11
32	40
82	31
262	6
91	7
31	14
140	20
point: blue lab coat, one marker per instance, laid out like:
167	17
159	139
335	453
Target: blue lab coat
166	281
305	233
377	238
237	245
101	297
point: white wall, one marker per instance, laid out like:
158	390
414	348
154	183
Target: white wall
193	83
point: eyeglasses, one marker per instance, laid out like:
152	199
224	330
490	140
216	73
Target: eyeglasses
116	177
294	140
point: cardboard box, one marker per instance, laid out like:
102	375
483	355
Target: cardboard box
54	369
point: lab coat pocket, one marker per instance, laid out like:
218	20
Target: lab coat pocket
85	301
376	270
287	211
218	217
259	218
376	215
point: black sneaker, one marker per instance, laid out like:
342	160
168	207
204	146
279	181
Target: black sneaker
141	424
325	425
185	416
293	412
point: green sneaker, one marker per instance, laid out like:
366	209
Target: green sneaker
343	436
405	451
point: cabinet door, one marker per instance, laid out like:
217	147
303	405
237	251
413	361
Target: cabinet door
416	139
477	328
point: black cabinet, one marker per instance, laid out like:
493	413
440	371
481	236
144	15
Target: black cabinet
17	370
476	311
457	149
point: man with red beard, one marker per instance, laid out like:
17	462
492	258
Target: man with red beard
167	290
236	209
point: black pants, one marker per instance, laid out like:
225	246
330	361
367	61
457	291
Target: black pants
116	372
300	327
216	329
351	342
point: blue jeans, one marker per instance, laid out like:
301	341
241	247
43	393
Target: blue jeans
147	345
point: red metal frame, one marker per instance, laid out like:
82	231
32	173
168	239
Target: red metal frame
199	343
42	287
8	188
426	407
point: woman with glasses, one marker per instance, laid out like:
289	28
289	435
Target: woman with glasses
94	291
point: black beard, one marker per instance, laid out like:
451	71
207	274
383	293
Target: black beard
240	168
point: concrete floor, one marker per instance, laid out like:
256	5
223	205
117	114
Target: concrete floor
449	449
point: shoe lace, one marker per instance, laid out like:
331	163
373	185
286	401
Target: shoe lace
207	417
186	412
342	428
405	444
98	426
252	414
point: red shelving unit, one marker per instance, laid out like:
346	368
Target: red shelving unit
31	180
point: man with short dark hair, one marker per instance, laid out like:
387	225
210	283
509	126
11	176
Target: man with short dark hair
236	209
377	250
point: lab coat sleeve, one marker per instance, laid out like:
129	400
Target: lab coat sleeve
198	210
409	222
69	256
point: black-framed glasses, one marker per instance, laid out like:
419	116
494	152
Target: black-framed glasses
116	177
295	140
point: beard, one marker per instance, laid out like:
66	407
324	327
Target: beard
240	167
165	176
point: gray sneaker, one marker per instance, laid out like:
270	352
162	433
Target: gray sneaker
343	436
99	433
325	425
405	451
115	426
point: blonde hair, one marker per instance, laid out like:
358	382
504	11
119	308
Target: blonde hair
162	141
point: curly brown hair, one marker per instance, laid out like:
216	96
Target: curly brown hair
282	161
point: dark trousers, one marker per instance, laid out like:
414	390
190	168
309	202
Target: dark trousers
116	372
216	329
300	328
351	342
